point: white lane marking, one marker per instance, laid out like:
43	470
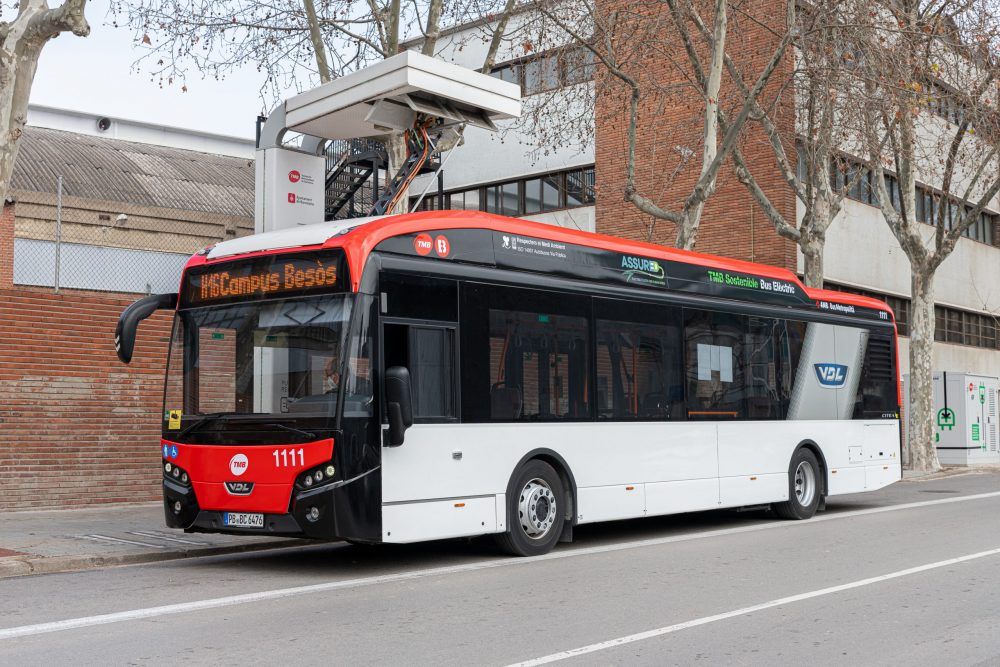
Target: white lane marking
159	536
659	632
277	594
105	538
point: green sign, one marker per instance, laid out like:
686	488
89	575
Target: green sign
975	433
982	393
946	419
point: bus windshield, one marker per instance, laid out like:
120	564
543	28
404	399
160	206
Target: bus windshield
268	364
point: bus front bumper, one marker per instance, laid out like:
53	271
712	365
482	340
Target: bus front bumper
312	515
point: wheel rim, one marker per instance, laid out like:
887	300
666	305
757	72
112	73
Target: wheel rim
805	483
536	509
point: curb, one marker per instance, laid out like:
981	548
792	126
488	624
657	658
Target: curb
944	473
20	566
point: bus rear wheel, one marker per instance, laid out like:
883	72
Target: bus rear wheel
535	511
805	487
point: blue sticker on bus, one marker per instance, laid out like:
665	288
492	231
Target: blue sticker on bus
831	375
173	451
166	451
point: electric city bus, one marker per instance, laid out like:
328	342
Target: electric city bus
454	373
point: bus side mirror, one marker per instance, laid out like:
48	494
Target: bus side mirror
129	320
398	403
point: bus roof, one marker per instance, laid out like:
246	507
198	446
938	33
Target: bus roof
360	236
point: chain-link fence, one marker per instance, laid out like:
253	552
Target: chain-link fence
108	215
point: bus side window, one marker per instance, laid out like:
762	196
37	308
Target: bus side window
639	361
714	362
877	389
428	352
525	355
763	368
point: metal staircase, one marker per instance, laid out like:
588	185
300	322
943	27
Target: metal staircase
352	177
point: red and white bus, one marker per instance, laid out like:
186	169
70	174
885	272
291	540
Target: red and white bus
452	373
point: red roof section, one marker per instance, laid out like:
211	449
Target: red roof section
360	242
363	240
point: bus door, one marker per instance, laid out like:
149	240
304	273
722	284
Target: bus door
419	332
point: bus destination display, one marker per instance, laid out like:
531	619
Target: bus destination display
265	278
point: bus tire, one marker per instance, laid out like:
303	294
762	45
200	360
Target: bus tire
535	510
805	487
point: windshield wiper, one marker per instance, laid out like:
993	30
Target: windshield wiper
292	429
205	419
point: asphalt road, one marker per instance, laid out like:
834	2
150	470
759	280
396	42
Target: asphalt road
910	574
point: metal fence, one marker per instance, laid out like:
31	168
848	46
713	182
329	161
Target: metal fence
121	238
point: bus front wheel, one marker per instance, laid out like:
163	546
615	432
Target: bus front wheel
805	487
535	511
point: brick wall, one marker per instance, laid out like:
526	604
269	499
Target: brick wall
732	225
77	427
7	246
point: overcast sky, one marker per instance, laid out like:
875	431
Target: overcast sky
95	74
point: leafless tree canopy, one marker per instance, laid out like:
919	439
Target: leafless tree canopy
296	43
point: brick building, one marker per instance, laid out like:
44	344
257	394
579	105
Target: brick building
76	426
862	256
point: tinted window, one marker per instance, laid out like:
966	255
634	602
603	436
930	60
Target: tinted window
714	360
525	355
877	389
639	361
432	355
764	368
429	355
419	297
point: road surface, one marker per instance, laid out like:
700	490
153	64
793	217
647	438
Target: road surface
909	574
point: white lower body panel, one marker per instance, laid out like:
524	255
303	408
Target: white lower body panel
450	480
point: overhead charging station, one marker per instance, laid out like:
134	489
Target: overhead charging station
426	99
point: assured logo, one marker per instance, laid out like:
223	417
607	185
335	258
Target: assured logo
642	270
239	488
831	375
239	464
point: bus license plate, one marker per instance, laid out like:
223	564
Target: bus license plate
243	520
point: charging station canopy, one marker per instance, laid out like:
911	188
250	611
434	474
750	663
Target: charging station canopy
388	95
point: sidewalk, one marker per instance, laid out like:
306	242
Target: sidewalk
948	471
39	542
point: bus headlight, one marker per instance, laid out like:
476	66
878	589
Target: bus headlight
322	474
175	473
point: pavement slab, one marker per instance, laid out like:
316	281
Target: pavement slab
46	541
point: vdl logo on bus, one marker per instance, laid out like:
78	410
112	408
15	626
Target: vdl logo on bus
831	375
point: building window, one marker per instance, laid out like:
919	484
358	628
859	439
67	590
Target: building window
927	202
551	70
951	325
529	196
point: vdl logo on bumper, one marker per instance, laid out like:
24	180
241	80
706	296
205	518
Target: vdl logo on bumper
239	488
831	375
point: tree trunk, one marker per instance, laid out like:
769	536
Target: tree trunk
812	245
18	62
687	231
920	411
21	42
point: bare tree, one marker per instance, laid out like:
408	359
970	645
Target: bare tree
296	42
929	72
21	43
625	40
824	121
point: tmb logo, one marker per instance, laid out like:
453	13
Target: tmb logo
423	244
831	375
294	176
238	464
